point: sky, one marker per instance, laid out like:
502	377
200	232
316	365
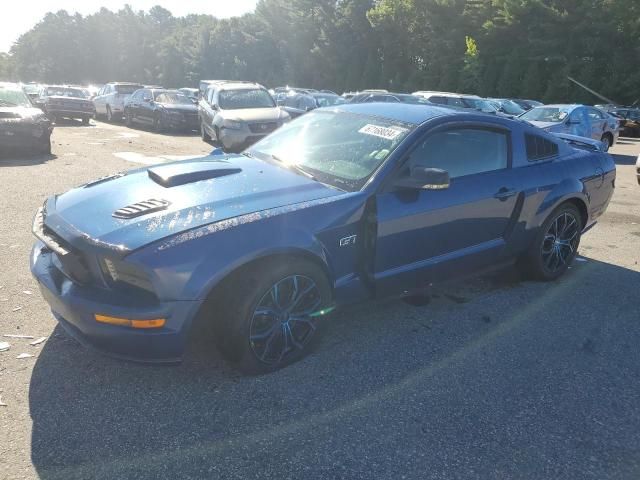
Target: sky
22	15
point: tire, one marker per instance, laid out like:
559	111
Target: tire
607	139
109	114
203	134
127	119
45	146
257	343
555	245
85	120
159	124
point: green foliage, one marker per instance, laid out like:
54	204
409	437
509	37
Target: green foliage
523	48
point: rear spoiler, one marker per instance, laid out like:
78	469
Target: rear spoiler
582	142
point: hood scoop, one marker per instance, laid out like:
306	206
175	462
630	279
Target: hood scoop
177	174
141	208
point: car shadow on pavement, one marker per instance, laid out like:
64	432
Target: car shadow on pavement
73	122
466	371
624	159
24	159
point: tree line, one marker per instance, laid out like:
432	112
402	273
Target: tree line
515	48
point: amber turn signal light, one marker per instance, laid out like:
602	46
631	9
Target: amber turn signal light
126	322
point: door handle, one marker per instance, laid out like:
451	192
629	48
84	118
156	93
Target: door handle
505	193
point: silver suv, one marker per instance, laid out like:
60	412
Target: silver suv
234	115
109	100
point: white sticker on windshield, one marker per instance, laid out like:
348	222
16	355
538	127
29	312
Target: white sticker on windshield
388	133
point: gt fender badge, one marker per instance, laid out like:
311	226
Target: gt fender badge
346	241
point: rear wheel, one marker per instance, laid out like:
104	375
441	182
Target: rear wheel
556	244
272	315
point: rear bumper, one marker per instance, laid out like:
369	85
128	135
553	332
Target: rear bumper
74	306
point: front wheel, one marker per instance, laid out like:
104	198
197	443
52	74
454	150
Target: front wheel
608	141
203	133
127	119
109	114
556	244
85	120
273	315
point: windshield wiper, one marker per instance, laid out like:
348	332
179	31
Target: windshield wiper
296	167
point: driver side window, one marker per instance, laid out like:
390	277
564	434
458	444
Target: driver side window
462	151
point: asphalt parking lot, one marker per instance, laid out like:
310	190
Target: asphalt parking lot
495	378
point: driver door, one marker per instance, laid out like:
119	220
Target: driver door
427	235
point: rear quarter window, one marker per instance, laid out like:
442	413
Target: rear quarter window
539	148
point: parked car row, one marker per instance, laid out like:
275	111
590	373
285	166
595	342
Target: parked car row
235	114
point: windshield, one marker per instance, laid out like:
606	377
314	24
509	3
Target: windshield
478	104
413	99
512	108
245	98
174	98
328	100
127	89
31	89
10	97
546	114
65	92
338	148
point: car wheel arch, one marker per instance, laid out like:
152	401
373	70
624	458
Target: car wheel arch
578	199
241	268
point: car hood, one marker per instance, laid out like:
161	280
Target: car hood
68	99
180	107
254	114
21	113
545	125
197	192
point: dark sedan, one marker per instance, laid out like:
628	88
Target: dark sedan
297	103
343	204
21	124
161	109
66	102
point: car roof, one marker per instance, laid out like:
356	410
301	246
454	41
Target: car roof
562	105
239	86
445	94
401	112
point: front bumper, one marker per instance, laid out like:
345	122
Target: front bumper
183	121
74	306
70	112
237	140
14	134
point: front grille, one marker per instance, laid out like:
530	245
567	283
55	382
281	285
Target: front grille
264	127
72	264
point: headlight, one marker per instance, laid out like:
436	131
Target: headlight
232	124
119	271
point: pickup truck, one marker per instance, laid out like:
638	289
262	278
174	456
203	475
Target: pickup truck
343	204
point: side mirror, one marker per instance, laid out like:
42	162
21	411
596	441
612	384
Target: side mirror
425	178
214	106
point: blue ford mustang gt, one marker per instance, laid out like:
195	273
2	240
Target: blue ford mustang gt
343	204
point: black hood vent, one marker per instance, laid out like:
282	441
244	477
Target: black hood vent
141	208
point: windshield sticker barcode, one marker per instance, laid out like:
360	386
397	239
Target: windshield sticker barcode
382	132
